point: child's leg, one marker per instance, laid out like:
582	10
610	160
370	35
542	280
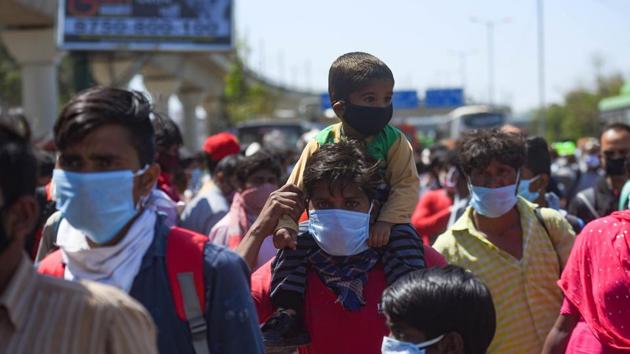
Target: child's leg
403	254
289	271
285	328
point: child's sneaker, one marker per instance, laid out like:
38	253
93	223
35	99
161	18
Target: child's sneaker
283	332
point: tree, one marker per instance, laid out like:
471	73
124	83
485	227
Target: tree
10	84
244	100
578	115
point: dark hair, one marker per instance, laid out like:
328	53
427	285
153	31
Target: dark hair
538	159
228	165
18	123
351	71
18	166
455	161
480	147
45	162
100	106
438	158
261	160
167	132
441	300
614	126
340	164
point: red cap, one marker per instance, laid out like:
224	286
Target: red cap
221	145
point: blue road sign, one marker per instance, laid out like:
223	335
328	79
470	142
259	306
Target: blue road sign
444	98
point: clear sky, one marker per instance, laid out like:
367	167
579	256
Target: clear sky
294	42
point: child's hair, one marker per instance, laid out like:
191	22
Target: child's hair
437	301
340	164
352	71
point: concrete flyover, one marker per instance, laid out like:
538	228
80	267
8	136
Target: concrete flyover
27	29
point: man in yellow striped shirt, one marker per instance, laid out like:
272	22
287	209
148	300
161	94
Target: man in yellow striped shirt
39	314
516	249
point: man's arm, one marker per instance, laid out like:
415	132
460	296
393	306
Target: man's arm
560	333
287	200
230	314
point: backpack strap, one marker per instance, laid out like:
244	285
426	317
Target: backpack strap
586	197
541	219
184	267
52	265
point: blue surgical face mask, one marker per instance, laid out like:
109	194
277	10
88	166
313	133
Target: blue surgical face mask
591	160
98	204
393	346
524	191
340	232
492	202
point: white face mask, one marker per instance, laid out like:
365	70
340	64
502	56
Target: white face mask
393	346
340	232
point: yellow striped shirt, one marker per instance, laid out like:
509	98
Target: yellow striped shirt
39	314
526	298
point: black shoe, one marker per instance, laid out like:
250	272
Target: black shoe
282	332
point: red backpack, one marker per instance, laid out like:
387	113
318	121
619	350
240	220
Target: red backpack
184	267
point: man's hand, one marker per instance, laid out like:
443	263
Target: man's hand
288	200
379	234
285	238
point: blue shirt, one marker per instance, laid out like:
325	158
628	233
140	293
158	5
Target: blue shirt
230	313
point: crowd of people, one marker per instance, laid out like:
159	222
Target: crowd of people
120	241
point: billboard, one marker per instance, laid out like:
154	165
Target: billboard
148	25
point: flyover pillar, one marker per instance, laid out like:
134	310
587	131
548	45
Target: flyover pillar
38	58
161	90
190	99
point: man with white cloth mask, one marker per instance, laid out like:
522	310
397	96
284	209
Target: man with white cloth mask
196	292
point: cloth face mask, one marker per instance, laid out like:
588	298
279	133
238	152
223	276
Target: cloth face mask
393	346
340	232
98	204
367	120
523	189
492	202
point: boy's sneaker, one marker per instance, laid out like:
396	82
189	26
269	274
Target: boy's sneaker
283	332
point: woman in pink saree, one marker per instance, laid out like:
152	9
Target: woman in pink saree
595	315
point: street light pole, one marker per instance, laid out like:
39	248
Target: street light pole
490	25
490	30
463	57
541	67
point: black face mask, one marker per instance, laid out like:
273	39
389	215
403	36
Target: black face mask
367	120
615	167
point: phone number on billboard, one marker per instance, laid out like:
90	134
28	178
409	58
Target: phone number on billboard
143	27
